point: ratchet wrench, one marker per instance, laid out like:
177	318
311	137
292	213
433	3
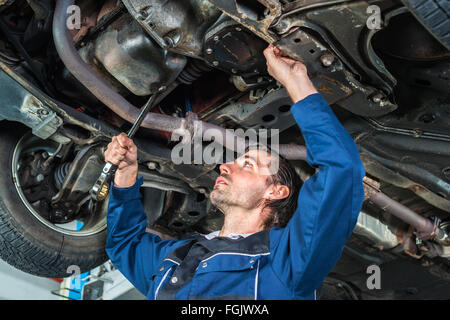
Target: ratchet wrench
101	187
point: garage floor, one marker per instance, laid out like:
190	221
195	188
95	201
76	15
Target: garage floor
18	285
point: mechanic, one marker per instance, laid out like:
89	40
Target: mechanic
277	242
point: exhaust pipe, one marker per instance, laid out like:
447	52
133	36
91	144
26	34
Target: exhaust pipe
426	229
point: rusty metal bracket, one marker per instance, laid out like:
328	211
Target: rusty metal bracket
20	105
371	187
260	27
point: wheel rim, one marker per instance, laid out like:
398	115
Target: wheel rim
95	223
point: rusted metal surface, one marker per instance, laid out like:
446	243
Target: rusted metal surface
426	229
178	26
324	68
370	187
93	82
234	49
393	153
89	13
137	63
19	104
108	7
341	26
298	5
212	91
260	26
337	84
99	130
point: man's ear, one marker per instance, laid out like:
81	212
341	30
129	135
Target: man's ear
277	192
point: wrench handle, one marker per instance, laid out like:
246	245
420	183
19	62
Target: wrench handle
101	187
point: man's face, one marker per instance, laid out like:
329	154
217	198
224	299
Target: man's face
244	182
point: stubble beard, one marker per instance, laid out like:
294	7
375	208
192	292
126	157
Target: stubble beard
224	199
220	199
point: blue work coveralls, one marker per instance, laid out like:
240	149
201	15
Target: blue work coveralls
278	263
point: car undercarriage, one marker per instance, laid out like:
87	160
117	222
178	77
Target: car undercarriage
75	73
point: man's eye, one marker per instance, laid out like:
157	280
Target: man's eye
246	163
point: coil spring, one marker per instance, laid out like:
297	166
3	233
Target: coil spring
61	173
194	70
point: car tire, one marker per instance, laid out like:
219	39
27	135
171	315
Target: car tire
434	16
28	244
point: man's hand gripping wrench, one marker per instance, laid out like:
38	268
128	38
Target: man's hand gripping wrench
101	187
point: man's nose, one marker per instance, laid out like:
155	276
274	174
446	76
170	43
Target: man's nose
226	168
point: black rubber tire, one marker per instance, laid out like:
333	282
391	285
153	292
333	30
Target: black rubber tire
28	244
434	16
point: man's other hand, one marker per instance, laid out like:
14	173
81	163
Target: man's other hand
292	74
123	153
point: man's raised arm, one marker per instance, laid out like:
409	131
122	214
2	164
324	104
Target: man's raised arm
306	250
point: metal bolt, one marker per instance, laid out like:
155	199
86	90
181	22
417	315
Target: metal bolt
216	38
209	51
43	111
152	165
202	190
142	15
215	63
174	280
169	42
233	70
327	59
238	29
377	98
446	172
204	265
40	177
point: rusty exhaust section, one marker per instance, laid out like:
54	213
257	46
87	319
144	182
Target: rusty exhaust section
426	229
92	81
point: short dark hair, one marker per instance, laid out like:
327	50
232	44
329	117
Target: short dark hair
281	211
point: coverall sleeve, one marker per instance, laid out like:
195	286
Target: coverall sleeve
305	251
135	252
